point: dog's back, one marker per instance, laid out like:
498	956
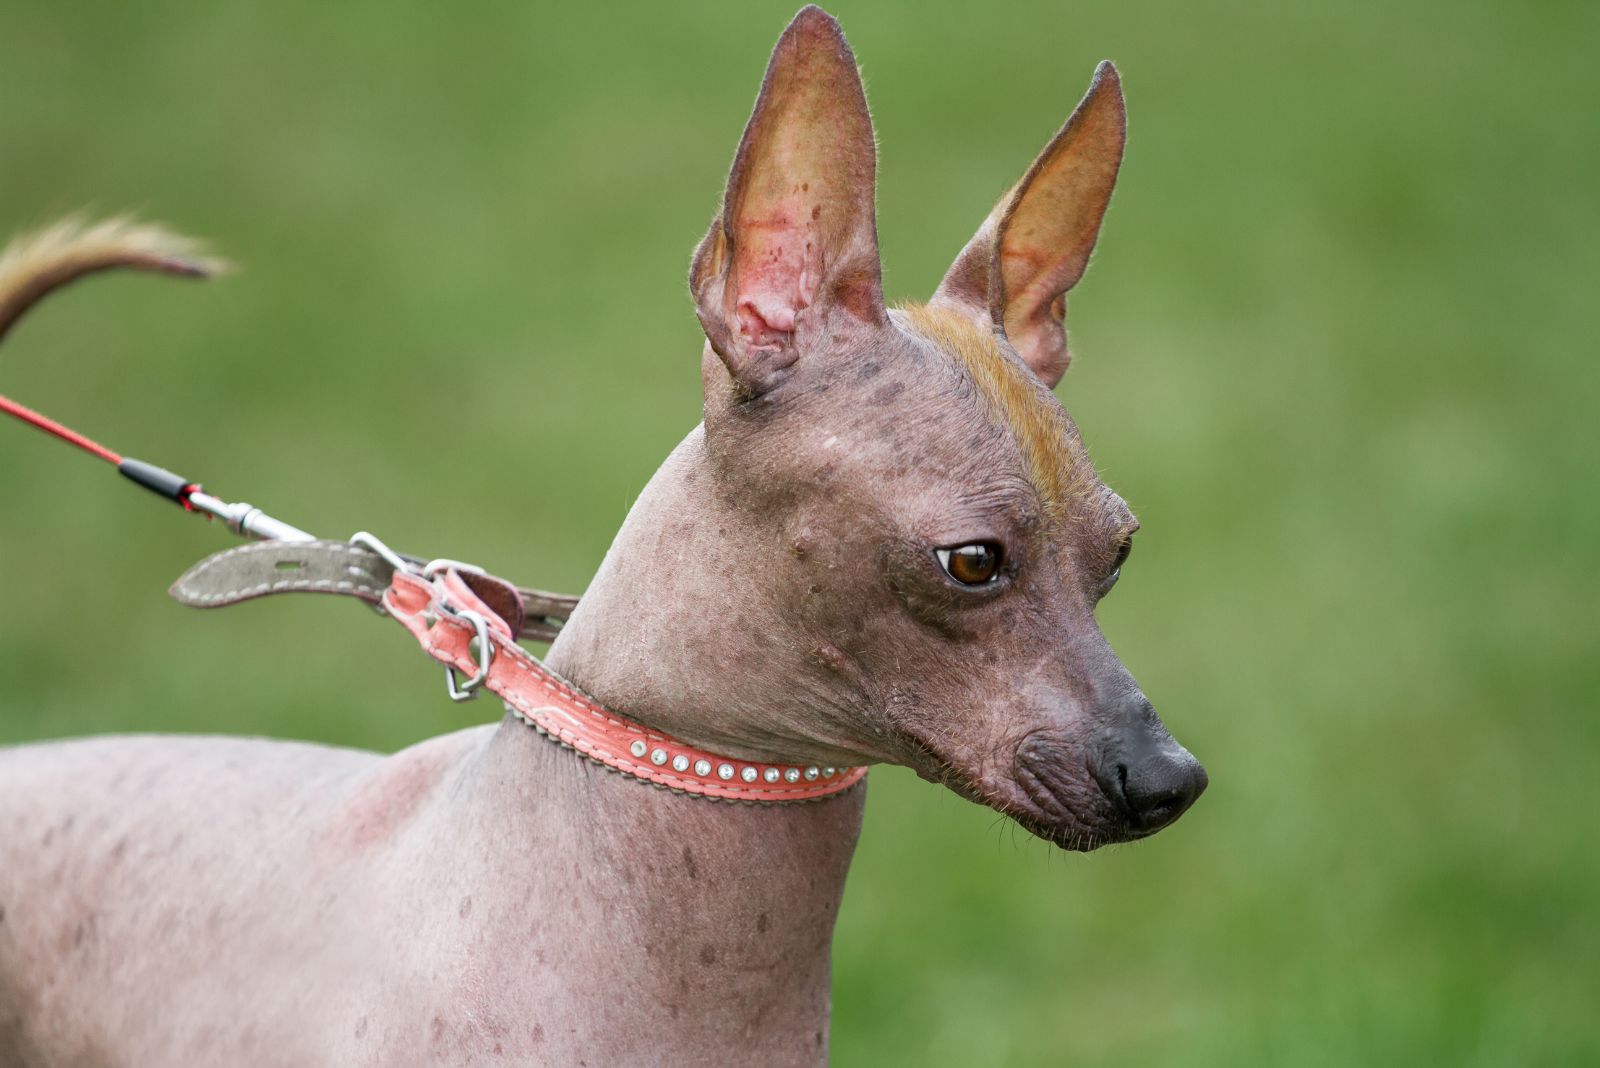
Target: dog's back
150	886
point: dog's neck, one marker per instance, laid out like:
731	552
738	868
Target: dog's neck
722	912
676	634
643	926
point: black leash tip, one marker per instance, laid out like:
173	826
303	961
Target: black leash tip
158	480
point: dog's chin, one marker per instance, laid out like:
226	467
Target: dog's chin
1068	829
1073	835
1081	823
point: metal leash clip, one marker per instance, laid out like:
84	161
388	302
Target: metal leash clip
392	558
376	544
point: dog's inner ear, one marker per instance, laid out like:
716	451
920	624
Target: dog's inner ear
792	259
1035	244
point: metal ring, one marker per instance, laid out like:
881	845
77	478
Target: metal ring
466	691
433	567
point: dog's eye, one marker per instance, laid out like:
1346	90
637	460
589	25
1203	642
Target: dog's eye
976	564
1116	566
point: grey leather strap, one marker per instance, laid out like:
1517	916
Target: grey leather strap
262	569
267	567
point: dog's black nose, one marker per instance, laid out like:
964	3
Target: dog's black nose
1157	790
1147	773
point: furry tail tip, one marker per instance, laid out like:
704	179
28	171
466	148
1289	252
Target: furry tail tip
36	264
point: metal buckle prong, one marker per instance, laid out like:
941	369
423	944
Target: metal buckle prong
466	691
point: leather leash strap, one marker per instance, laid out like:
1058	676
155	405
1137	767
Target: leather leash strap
470	622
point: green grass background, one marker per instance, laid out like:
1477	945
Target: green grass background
1337	348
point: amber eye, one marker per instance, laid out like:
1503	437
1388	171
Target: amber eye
971	565
1116	567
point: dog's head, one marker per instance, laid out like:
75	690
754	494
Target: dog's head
894	523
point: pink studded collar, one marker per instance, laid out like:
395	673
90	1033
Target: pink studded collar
470	621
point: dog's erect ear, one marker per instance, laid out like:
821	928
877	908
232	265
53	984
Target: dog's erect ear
1035	244
792	260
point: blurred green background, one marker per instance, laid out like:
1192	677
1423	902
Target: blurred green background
1337	348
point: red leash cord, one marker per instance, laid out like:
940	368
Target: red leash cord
241	518
50	426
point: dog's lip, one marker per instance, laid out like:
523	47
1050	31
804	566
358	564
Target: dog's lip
1011	798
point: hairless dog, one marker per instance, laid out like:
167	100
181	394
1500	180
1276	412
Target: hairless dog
884	543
